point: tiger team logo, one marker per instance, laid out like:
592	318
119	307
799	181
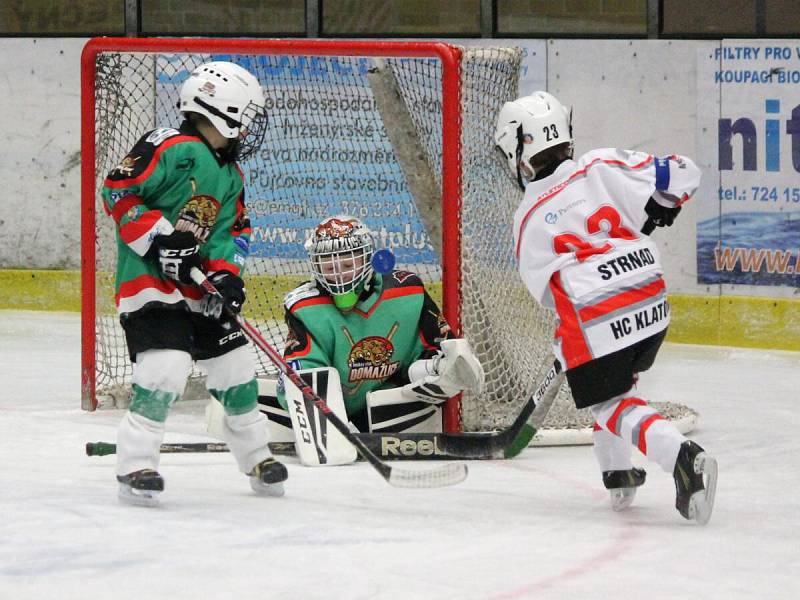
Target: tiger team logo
371	358
334	228
198	215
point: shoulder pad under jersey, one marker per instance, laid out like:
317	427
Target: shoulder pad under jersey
307	290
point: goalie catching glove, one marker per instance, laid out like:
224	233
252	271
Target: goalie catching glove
231	289
455	369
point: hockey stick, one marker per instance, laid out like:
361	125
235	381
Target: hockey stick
387	446
438	477
508	442
106	448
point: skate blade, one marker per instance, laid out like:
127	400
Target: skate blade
622	498
128	495
701	504
266	489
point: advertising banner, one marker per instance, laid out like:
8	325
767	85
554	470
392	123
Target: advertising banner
327	151
748	230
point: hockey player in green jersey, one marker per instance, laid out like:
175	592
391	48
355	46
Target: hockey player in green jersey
178	201
381	334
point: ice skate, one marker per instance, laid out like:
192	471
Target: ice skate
694	496
267	477
140	487
622	486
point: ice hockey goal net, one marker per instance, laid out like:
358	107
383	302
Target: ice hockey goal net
398	134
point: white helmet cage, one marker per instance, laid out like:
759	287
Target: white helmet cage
528	125
340	250
232	99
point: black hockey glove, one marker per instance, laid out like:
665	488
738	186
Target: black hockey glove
231	288
661	216
178	253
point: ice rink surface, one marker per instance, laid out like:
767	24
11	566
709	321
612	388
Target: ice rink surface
538	526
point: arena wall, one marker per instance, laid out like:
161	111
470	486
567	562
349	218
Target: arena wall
640	95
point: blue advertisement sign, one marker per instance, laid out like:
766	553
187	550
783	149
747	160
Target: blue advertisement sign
748	231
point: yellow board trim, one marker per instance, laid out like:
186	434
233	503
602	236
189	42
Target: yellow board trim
744	321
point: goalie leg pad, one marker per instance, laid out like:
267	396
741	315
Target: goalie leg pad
391	410
317	443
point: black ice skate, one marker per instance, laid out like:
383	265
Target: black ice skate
267	477
622	486
140	487
694	497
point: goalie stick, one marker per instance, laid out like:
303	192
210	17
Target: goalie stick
506	443
429	478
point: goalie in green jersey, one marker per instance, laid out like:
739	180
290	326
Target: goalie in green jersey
376	344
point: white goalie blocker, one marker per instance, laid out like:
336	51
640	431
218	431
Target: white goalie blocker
414	408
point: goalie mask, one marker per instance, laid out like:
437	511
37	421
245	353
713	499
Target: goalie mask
529	125
232	99
340	250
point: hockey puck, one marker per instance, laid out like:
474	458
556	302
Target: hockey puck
383	261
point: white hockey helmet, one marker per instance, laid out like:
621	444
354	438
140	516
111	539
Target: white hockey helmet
340	250
528	125
231	98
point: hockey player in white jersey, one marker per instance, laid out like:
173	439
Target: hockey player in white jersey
581	251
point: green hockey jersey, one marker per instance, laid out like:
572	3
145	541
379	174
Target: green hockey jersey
174	180
394	324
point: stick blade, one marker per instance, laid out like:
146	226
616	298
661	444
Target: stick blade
442	476
475	445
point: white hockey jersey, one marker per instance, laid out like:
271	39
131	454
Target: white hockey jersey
580	250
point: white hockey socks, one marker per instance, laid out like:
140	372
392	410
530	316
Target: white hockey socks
633	420
246	436
611	451
138	443
159	377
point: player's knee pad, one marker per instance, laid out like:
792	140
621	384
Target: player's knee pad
230	380
162	370
159	377
232	368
